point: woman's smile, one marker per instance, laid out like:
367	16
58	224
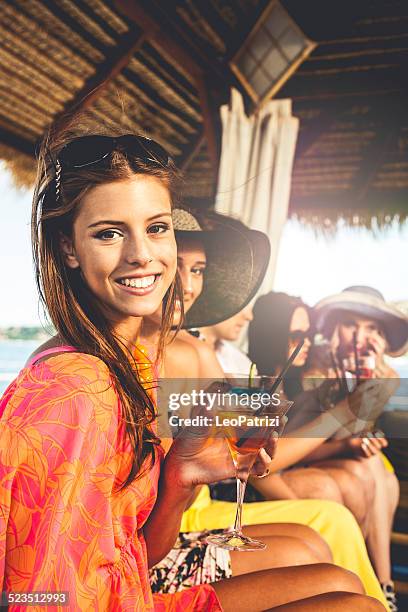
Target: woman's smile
139	285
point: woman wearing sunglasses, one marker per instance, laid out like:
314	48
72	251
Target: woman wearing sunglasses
327	469
87	498
280	322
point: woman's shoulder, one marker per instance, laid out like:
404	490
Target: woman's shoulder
62	385
201	348
209	365
181	357
47	346
56	362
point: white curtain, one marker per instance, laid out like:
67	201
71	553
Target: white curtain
256	167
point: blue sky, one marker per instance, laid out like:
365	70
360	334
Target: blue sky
308	266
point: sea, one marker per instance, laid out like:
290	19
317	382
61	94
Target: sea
14	354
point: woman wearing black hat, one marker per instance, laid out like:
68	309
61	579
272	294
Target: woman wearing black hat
339	528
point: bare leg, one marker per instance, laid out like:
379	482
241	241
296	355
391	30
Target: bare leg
333	602
383	510
393	494
312	483
281	551
308	535
357	487
273	488
382	494
325	481
270	588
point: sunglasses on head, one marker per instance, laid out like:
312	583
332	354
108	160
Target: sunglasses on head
89	150
297	335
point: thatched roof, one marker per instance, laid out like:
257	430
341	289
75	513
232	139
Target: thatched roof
164	66
352	100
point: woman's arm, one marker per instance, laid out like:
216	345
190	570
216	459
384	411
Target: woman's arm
196	457
163	525
330	448
297	445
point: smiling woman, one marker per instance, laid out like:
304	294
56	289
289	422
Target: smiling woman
132	256
102	214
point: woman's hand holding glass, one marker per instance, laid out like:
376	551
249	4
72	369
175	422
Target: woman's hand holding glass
200	454
198	457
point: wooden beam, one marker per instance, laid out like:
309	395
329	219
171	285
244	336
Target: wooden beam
344	58
302	86
106	72
18	143
158	35
361	98
206	58
386	200
378	37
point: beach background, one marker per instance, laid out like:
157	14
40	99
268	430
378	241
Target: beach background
13	355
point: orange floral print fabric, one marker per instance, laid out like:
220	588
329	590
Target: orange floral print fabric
63	526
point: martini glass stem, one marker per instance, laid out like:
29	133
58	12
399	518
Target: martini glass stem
241	486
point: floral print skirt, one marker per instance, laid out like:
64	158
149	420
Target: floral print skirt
190	562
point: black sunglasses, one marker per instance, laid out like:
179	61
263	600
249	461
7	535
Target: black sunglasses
89	150
297	335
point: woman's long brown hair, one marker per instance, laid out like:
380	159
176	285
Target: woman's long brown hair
71	307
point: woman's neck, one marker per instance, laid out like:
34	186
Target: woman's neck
128	331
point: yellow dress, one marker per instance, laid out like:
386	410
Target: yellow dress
331	520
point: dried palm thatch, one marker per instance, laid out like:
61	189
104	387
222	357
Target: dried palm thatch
50	52
147	67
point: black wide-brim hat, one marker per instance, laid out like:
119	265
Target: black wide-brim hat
370	304
237	260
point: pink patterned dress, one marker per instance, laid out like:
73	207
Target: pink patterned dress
63	450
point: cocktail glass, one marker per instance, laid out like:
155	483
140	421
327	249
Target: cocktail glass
247	430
